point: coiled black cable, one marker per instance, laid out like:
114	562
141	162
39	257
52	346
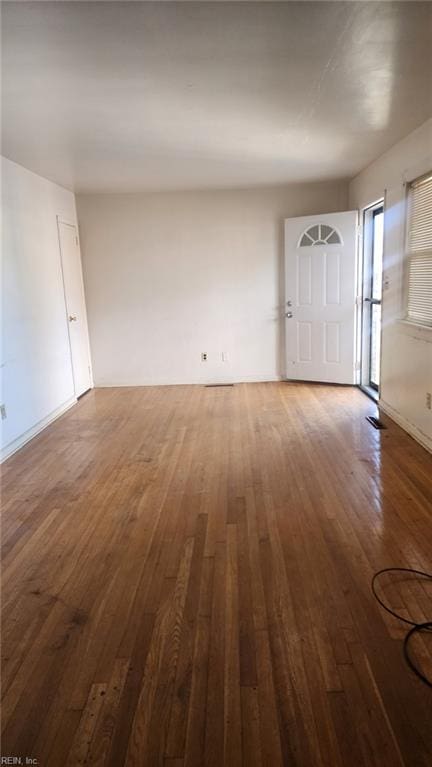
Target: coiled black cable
416	628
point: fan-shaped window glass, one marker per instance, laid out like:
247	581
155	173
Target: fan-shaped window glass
320	234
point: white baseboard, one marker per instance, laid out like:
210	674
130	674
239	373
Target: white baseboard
412	430
19	442
203	382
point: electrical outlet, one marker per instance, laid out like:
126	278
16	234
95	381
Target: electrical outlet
203	356
429	400
3	412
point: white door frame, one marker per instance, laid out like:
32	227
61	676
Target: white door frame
364	278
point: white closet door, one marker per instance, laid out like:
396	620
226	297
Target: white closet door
75	307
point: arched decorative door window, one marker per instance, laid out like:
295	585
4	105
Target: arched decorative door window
320	234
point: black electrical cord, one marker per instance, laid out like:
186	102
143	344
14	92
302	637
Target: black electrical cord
416	628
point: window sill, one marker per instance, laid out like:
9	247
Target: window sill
416	330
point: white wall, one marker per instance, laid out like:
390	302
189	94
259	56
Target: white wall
407	350
169	276
37	380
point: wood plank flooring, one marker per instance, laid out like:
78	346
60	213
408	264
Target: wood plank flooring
186	582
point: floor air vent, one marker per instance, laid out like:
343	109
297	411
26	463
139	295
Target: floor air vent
376	423
213	386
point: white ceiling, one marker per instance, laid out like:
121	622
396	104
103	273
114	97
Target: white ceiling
134	96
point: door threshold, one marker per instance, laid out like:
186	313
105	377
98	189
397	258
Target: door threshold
315	383
370	392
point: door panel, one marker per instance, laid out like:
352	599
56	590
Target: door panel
332	342
304	280
332	277
304	340
320	291
75	307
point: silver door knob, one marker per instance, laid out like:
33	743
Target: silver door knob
288	315
72	318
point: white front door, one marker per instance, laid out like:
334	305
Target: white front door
75	307
320	294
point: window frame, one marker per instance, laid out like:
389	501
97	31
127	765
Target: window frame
406	319
318	242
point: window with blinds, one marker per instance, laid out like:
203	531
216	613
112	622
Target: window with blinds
419	304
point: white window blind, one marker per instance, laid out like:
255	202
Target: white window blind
419	305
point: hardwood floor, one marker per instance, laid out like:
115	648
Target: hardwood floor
186	581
